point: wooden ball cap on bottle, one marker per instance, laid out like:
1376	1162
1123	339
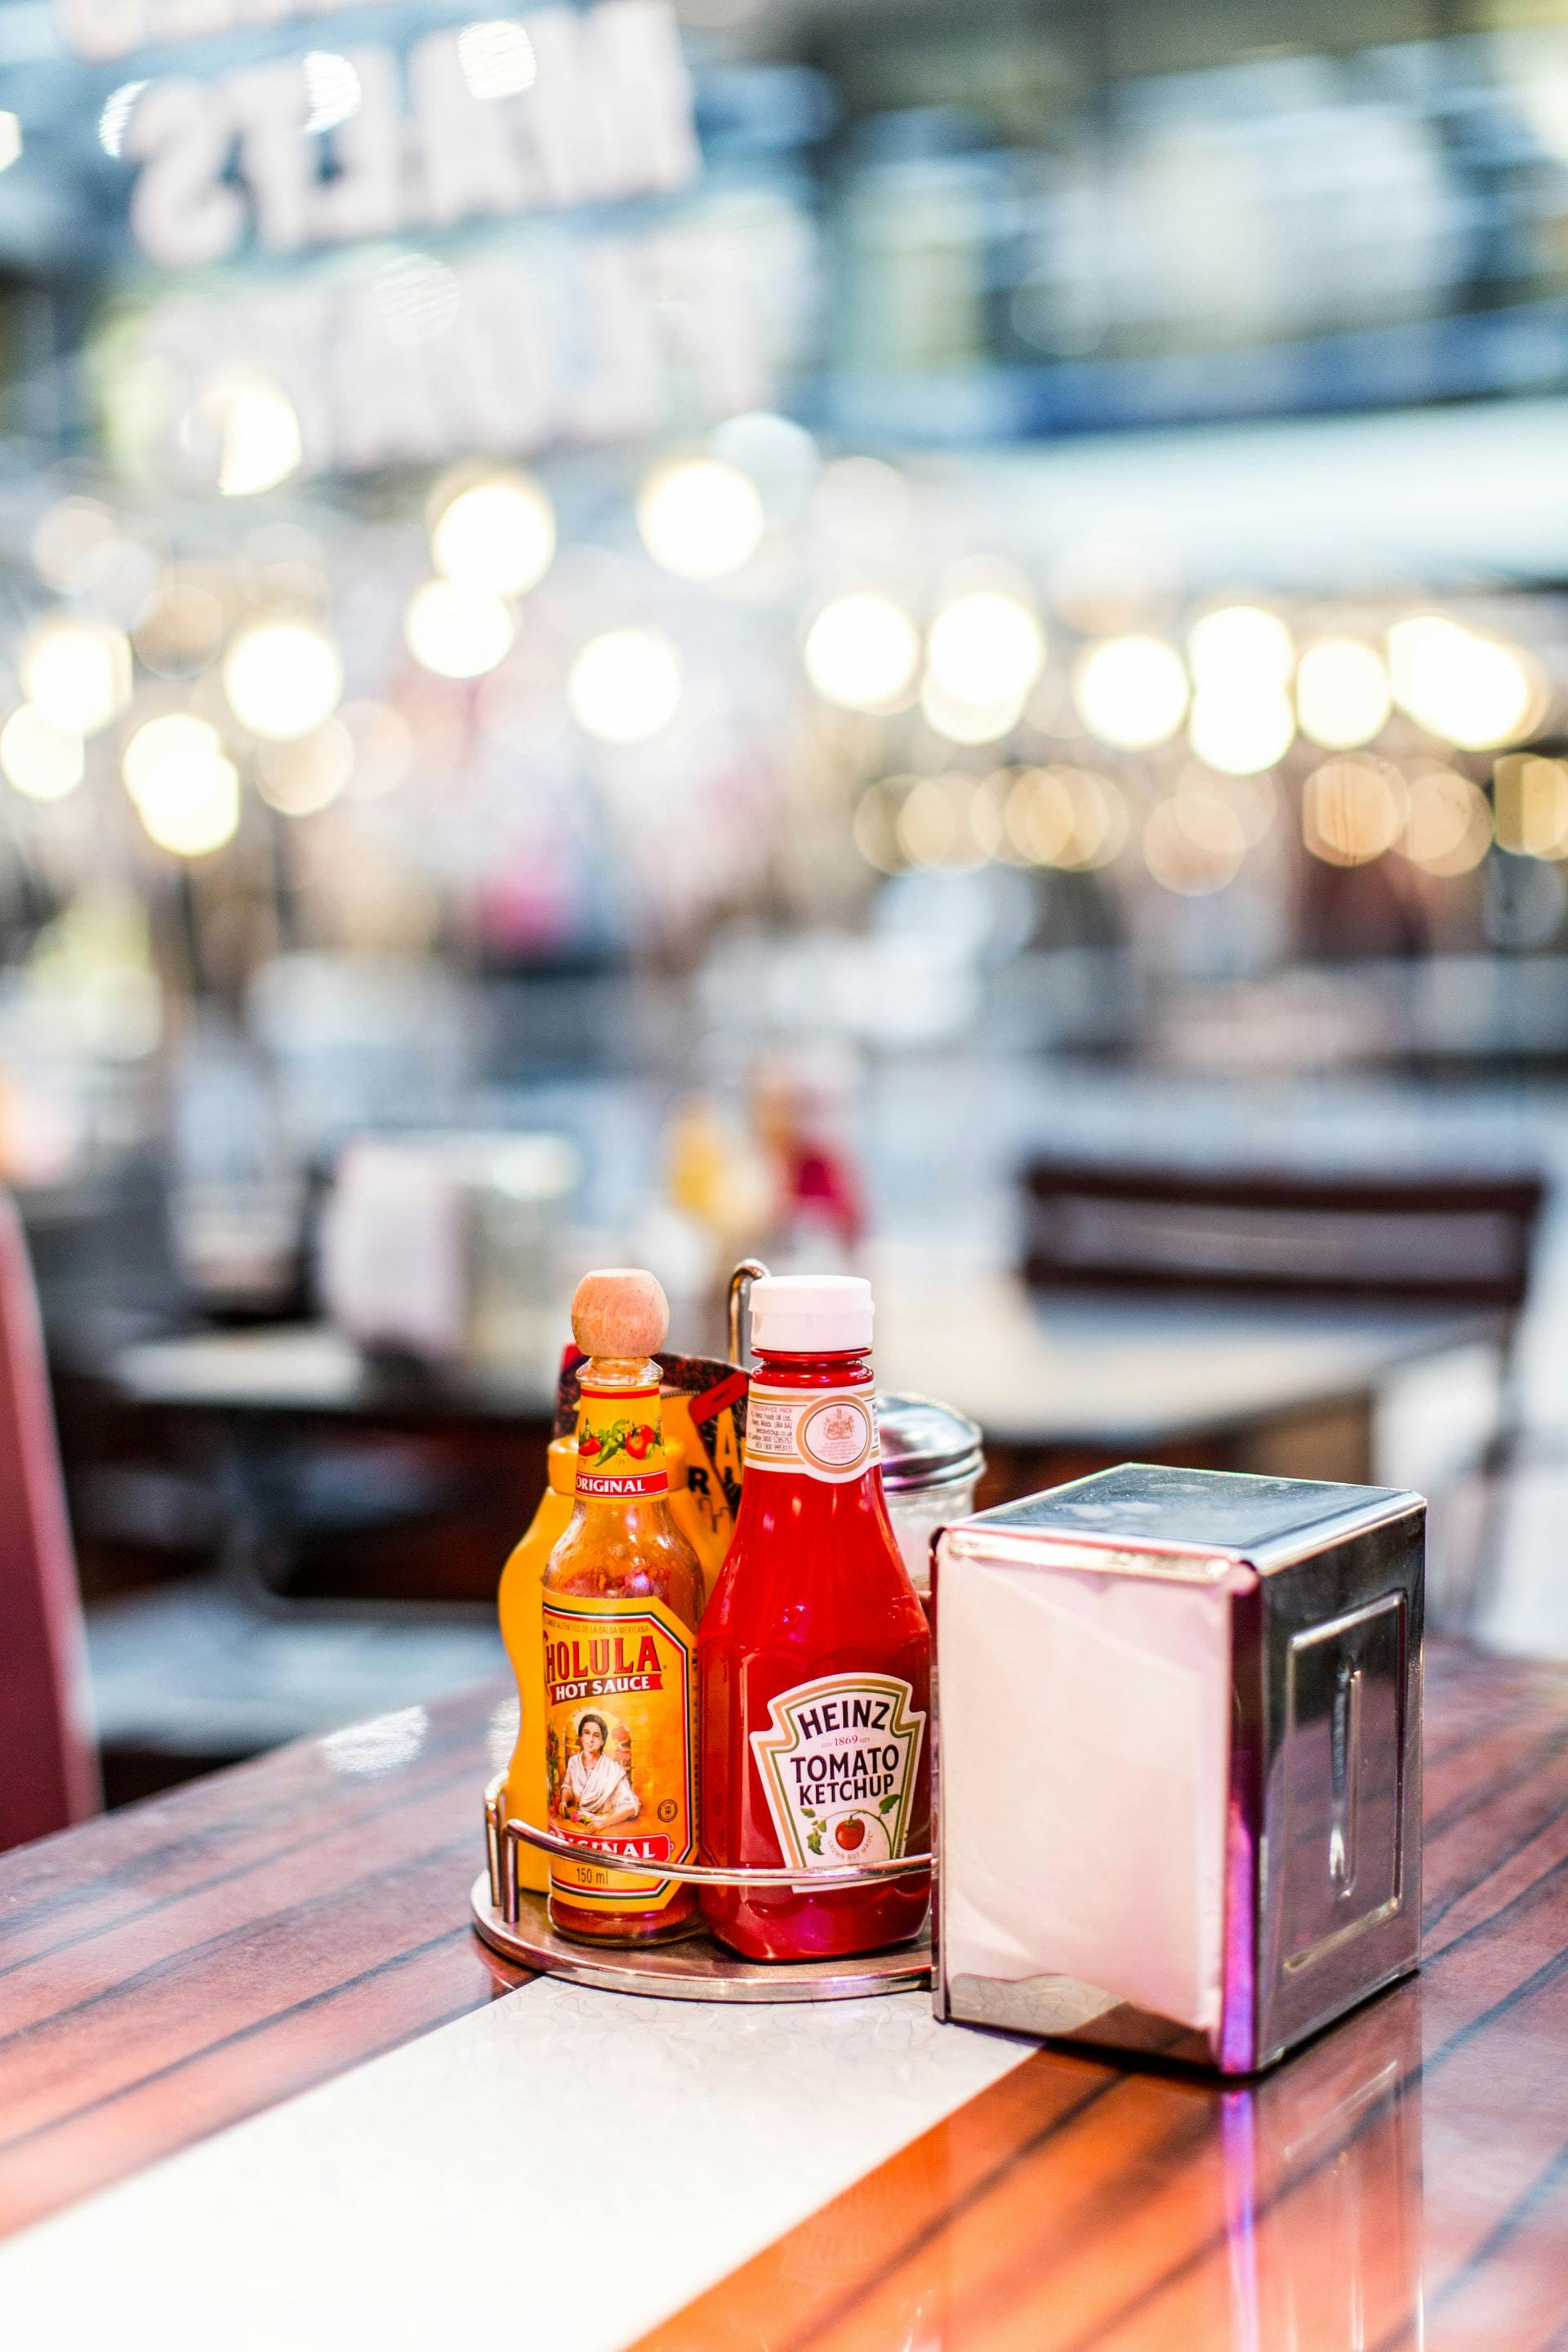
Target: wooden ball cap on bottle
619	1311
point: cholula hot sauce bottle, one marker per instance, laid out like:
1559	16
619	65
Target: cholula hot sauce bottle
623	1593
815	1655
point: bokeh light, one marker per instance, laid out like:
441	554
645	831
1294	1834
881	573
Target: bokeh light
1065	816
282	679
258	437
332	90
185	629
497	58
961	721
192	810
1342	695
1470	689
1131	691
497	536
862	502
985	648
1255	798
700	519
1194	842
1531	800
862	651
1447	823
77	672
161	742
1241	647
457	632
624	685
43	760
875	823
1353	810
1241	731
938	825
185	787
300	777
65	538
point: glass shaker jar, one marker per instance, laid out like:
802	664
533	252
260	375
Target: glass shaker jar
932	1464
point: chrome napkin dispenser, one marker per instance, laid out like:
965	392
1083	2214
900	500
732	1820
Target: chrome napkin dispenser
1179	1761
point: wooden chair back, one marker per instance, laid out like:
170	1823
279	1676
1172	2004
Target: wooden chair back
1428	1240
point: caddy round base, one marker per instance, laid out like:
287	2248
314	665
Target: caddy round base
696	1968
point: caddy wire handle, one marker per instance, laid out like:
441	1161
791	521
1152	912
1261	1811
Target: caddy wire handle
503	1835
747	1271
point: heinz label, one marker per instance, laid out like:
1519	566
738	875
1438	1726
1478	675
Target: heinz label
619	1746
828	1434
838	1766
620	1444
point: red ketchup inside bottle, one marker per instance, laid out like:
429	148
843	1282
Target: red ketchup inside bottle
814	1654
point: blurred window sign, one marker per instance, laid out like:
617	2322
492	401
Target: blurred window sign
424	143
403	359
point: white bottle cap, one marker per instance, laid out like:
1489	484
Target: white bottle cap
811	1314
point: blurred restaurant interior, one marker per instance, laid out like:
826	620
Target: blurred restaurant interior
895	639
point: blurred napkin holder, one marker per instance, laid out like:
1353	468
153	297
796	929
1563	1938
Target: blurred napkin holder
445	1247
1179	1761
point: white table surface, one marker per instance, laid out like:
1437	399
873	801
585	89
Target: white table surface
562	2169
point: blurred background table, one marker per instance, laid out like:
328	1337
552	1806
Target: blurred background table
1051	1380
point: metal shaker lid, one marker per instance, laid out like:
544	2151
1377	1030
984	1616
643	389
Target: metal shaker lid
924	1444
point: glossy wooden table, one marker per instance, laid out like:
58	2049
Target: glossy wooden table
1403	2181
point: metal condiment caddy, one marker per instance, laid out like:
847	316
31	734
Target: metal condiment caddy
517	1923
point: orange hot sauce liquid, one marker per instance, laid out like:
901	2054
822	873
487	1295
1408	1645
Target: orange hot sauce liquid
625	1547
813	1585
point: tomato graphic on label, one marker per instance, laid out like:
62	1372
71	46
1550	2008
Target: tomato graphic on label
639	1442
850	1833
588	1444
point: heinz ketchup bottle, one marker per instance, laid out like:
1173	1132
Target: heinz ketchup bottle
814	1656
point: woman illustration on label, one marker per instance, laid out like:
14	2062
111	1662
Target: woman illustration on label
599	1789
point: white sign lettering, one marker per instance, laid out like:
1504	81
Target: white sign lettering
607	115
409	361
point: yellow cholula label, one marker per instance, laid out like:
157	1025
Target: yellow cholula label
619	1745
620	1444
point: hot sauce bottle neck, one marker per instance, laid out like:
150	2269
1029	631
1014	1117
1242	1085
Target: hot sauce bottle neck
620	1432
629	1372
618	1318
